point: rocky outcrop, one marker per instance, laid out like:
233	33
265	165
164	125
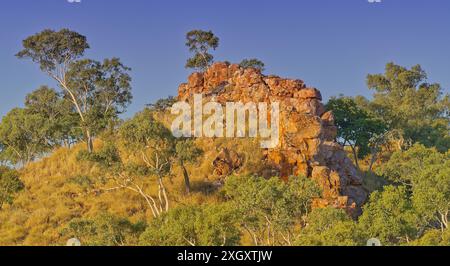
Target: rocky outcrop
226	162
307	132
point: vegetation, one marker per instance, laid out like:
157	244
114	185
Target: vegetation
252	63
135	184
357	128
200	43
10	184
98	91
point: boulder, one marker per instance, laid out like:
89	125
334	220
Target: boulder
226	162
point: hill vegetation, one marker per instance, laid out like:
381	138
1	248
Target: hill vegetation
73	168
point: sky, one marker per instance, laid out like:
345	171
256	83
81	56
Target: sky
330	44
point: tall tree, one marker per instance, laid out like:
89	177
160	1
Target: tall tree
96	90
200	43
407	102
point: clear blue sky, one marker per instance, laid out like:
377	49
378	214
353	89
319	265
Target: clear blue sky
331	44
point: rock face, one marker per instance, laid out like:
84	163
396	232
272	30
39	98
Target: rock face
307	132
226	162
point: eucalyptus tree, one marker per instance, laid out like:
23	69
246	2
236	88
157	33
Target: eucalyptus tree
99	91
200	43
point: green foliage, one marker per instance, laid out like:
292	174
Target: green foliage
434	238
210	225
269	208
329	227
199	43
98	91
83	181
103	91
52	48
187	152
107	157
143	131
252	63
23	136
62	121
162	105
407	102
151	140
357	128
389	216
67	198
426	173
105	230
10	184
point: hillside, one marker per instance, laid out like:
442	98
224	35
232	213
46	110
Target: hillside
139	185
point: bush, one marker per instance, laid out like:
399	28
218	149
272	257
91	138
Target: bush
10	184
104	230
209	225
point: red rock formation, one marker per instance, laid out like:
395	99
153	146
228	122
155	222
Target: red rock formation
307	132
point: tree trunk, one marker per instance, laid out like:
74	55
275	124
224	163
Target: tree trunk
187	182
373	160
90	142
162	190
355	155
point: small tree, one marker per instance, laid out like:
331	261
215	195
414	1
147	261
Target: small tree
269	209
105	230
23	136
10	184
200	43
252	63
207	225
154	149
162	105
329	227
356	127
187	152
155	145
389	216
426	174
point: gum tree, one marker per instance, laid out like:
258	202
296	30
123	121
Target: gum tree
98	91
407	102
200	43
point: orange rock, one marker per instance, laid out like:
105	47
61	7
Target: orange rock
195	80
307	137
310	93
